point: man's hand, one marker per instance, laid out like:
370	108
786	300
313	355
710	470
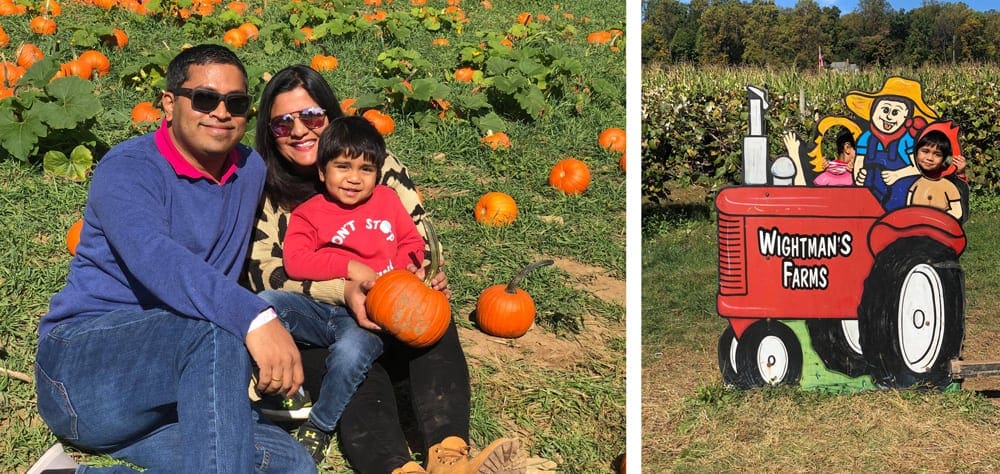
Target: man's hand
355	293
273	349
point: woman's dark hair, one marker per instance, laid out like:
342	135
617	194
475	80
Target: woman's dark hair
177	70
937	139
843	139
352	137
286	184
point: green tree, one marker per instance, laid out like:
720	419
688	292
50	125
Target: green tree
720	29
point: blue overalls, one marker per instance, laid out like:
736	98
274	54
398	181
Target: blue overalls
878	159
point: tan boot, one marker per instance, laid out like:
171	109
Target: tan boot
503	456
409	468
449	456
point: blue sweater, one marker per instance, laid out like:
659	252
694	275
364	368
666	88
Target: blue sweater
153	239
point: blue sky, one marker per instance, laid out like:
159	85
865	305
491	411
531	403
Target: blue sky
848	6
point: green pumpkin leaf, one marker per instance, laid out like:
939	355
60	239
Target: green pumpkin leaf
76	100
75	167
19	137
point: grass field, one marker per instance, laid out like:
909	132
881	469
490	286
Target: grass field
692	423
560	388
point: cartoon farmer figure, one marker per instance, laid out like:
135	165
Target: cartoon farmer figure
895	116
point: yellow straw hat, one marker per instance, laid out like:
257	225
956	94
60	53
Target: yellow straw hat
860	102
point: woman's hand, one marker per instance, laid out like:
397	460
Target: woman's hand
355	293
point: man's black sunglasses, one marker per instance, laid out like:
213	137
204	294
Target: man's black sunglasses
205	101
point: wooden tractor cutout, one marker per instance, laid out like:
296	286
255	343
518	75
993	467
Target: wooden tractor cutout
845	286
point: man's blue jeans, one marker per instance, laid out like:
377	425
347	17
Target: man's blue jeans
353	349
159	390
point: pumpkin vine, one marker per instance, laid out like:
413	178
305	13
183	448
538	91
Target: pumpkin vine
512	286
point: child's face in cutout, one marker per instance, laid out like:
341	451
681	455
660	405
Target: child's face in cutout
930	158
847	156
348	181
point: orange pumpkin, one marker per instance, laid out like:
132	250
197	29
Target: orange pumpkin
524	18
347	106
407	307
73	236
307	31
250	30
497	140
76	68
599	37
43	25
28	54
496	209
117	39
506	310
612	139
621	162
322	62
570	176
238	7
382	122
105	4
97	61
145	112
235	37
439	42
464	74
4	38
10	73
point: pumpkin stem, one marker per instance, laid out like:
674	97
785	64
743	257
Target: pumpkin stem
512	286
435	246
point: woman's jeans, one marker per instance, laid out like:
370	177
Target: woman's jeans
352	349
161	391
371	433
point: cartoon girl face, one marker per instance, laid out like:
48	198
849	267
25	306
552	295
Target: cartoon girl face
888	115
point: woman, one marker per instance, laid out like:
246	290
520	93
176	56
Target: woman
370	432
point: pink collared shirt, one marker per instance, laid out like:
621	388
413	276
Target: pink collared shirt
181	165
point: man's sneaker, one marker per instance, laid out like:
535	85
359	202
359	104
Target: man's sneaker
278	408
314	440
54	460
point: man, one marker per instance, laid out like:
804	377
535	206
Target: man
146	353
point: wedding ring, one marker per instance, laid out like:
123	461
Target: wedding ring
276	380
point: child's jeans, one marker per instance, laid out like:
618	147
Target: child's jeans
353	349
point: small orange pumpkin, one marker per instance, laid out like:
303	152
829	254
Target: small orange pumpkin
497	140
407	307
524	18
145	112
250	30
464	74
382	122
621	162
496	209
235	37
347	106
10	73
4	38
612	139
43	25
73	236
117	39
506	310
28	54
323	62
76	68
97	61
570	176
599	37
439	42
307	31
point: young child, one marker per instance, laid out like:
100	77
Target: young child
942	175
354	229
839	172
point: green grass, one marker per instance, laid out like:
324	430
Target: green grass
691	423
572	411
